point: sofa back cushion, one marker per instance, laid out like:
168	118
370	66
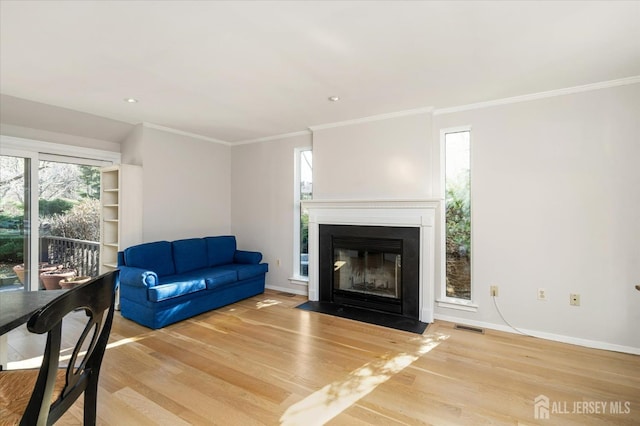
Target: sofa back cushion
220	250
156	257
190	254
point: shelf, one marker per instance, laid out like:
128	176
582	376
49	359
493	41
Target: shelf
121	211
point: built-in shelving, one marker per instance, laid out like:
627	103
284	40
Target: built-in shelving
121	212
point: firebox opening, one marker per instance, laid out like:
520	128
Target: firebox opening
372	267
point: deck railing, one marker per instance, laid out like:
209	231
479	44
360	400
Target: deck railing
83	256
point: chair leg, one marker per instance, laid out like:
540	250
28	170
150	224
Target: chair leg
91	402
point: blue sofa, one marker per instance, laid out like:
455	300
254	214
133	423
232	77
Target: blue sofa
164	282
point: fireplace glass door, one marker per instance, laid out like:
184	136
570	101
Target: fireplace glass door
370	272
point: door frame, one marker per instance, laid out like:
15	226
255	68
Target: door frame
35	151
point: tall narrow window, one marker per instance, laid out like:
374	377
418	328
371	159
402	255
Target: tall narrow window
457	186
303	191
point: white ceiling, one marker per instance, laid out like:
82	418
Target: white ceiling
237	71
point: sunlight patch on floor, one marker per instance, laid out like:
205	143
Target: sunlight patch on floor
25	363
266	303
331	400
124	341
36	362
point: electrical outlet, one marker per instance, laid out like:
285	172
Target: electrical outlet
494	291
542	294
574	299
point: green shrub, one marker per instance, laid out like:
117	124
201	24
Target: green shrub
304	233
458	211
82	222
10	222
11	248
90	176
55	206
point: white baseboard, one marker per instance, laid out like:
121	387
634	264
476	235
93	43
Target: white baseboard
301	291
542	335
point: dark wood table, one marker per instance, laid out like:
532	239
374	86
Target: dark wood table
16	307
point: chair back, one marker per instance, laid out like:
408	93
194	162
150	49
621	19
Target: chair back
96	298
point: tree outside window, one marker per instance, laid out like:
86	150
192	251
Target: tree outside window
458	214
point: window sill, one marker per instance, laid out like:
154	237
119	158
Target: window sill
299	280
461	305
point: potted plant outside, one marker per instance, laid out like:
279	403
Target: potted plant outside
51	280
42	267
71	282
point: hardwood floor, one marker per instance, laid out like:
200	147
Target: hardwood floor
261	361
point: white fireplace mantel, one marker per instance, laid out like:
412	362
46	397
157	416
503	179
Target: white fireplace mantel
411	213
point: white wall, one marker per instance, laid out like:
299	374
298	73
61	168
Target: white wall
186	187
555	199
132	146
262	195
381	159
556	196
187	181
34	120
262	203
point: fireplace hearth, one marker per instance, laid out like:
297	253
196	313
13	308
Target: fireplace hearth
370	267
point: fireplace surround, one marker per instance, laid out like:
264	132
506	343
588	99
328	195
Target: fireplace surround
372	267
417	214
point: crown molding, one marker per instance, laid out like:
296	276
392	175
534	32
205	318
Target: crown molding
183	133
435	111
372	118
274	137
541	95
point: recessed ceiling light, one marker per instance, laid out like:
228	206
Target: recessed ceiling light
334	98
131	100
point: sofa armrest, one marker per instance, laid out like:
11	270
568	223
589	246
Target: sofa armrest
247	257
137	277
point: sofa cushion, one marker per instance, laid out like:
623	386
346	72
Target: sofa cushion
175	289
220	250
249	257
249	271
156	257
189	254
215	278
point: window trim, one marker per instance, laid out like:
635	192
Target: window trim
71	152
296	277
443	300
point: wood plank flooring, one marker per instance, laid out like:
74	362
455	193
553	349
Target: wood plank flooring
263	362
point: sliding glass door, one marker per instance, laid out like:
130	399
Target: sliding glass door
69	218
49	213
15	222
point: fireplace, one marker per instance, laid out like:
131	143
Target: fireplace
371	267
415	216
